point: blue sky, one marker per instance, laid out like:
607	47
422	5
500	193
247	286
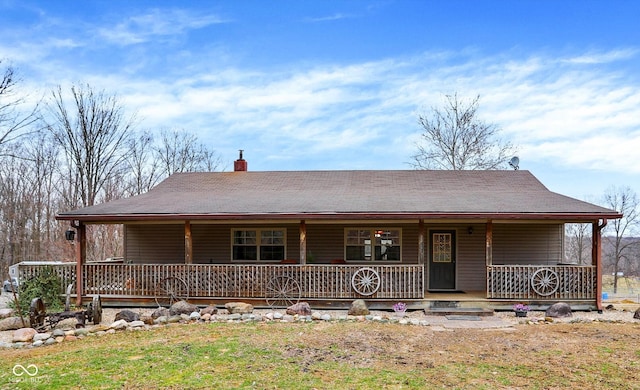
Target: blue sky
339	84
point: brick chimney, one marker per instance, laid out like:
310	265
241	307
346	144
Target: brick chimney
240	165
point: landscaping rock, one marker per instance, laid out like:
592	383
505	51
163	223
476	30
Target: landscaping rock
57	333
118	325
195	316
636	315
209	310
136	324
559	310
127	315
147	320
50	341
182	307
160	312
300	308
41	336
24	335
67	323
6	313
239	307
12	323
358	308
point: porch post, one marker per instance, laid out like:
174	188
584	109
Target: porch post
81	255
303	242
489	243
188	243
421	241
596	258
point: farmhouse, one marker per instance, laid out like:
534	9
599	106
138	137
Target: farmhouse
335	236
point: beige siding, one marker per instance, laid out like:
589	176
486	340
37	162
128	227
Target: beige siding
471	258
535	244
154	244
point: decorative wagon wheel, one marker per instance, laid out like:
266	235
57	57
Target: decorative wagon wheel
94	311
365	281
283	291
171	290
545	281
37	313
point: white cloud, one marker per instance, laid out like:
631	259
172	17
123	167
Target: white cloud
156	23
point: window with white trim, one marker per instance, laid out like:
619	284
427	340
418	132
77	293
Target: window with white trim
259	244
373	244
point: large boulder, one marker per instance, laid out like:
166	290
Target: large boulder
12	323
239	308
358	308
300	308
24	335
636	315
182	307
559	310
127	315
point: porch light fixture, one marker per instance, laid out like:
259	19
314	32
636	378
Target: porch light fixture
70	235
470	230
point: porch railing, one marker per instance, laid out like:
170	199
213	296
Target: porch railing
247	281
533	282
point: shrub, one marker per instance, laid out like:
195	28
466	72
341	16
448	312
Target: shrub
46	284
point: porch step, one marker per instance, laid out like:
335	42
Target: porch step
466	311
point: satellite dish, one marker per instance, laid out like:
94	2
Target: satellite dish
515	163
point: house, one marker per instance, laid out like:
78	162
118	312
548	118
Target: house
334	236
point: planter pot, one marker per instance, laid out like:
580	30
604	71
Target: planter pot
521	313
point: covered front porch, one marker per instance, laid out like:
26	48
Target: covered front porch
329	286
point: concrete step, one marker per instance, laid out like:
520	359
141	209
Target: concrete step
461	311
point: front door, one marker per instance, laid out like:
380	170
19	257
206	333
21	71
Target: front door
442	260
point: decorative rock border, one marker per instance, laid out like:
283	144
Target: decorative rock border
57	336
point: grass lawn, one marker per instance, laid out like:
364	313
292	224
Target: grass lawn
337	355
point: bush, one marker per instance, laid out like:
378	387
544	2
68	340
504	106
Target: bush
46	285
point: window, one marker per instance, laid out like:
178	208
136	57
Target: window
259	244
372	244
442	248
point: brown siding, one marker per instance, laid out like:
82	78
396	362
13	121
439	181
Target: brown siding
154	244
326	242
535	244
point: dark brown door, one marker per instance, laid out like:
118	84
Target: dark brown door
442	260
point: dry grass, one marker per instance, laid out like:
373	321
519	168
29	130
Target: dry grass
327	355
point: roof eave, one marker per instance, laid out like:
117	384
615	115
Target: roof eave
118	218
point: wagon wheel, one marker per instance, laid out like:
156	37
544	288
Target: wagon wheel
545	281
283	291
37	313
67	302
171	290
365	281
95	310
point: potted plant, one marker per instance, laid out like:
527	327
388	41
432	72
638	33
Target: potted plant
521	309
400	308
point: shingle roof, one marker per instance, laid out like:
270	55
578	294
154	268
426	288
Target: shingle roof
342	194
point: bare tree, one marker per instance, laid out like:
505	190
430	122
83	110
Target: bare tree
93	133
578	243
625	201
179	151
143	169
14	122
455	138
